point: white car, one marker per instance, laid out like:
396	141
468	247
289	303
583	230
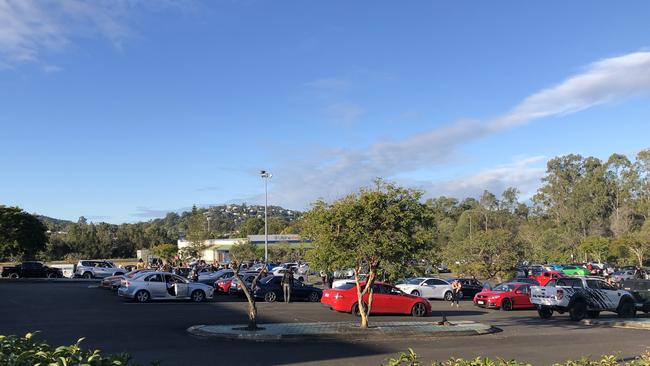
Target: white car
279	271
427	287
345	281
163	286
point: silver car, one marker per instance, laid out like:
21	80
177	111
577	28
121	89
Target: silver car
163	286
98	269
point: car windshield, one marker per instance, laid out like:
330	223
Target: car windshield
504	287
414	281
266	279
346	286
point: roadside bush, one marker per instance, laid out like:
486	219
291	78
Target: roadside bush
410	358
26	351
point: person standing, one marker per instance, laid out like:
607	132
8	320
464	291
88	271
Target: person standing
455	292
287	282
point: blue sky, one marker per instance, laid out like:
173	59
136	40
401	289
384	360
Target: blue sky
123	110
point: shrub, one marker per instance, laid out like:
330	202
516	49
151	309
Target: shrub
410	358
26	351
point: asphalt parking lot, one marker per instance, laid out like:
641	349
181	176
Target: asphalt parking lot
66	311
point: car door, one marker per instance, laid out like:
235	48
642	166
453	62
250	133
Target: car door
613	294
428	288
155	284
181	287
598	299
522	297
380	300
299	290
439	288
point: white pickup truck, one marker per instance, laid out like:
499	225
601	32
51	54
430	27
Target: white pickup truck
581	297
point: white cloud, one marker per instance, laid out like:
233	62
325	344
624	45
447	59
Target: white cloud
345	170
345	112
31	28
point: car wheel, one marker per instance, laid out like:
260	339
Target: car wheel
448	296
141	296
198	296
14	275
545	313
578	311
415	293
418	310
460	295
355	309
313	297
593	314
627	310
87	275
506	305
51	275
270	296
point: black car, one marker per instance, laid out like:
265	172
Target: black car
469	286
31	270
270	289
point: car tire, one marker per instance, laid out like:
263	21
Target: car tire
14	275
418	310
87	275
355	309
578	310
627	310
593	314
198	296
545	313
142	296
460	295
448	296
506	304
415	293
313	297
270	296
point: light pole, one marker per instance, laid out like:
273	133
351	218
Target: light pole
266	175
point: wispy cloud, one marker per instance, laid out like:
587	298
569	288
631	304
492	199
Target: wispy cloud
341	171
31	28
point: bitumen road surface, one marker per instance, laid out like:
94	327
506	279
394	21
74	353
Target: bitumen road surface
66	311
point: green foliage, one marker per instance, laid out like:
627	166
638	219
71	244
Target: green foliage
410	358
597	247
165	251
21	234
27	351
244	251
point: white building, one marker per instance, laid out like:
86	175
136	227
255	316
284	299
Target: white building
219	249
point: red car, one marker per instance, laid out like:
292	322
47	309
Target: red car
223	285
546	276
386	299
506	296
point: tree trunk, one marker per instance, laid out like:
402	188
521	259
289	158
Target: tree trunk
364	311
252	316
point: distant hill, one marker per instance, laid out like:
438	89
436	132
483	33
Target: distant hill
52	223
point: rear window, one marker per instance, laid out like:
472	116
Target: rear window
569	282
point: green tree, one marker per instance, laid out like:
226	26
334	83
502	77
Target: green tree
251	226
597	247
165	251
245	250
21	234
377	226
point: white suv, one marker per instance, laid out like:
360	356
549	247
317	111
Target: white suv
97	269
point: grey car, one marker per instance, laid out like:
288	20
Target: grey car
97	269
164	286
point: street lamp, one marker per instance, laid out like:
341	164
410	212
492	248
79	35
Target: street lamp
266	176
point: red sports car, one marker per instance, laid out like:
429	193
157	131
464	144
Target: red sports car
386	299
546	276
506	296
223	285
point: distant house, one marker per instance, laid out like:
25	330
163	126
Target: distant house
219	249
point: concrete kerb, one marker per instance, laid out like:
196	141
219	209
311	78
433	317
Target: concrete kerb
643	323
342	331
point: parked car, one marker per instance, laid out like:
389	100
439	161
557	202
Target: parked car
469	286
97	269
428	287
113	282
506	296
386	299
31	270
346	281
553	267
581	297
279	271
223	285
247	278
620	276
270	289
575	271
543	278
164	286
209	278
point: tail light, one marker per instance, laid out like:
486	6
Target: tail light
559	294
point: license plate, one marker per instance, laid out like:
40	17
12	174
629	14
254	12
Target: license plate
480	302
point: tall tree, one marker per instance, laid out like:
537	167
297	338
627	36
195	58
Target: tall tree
21	234
379	225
